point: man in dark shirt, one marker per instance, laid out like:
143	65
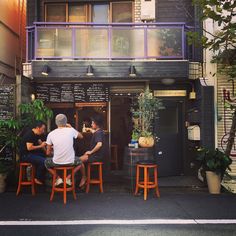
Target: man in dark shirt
96	152
32	150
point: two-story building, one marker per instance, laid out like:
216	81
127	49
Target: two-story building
97	56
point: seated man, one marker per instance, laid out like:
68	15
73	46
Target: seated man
32	150
96	152
60	142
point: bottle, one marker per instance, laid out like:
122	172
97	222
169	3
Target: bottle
83	129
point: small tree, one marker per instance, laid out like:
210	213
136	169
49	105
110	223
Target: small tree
222	43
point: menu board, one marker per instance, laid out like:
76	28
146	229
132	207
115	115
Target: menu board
97	93
79	92
7	101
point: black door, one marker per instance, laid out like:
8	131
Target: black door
169	149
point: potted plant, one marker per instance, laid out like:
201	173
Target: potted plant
215	163
147	111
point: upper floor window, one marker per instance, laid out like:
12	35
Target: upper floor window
86	12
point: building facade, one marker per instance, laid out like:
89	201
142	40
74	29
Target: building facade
97	56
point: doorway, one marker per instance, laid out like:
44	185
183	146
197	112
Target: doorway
121	124
169	128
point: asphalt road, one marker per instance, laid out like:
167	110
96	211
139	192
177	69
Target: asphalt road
175	204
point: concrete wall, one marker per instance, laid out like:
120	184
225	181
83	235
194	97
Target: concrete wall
12	40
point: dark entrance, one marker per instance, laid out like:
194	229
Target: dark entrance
121	124
169	128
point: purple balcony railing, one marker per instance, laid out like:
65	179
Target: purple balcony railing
106	41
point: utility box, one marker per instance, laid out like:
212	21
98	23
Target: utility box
148	9
194	132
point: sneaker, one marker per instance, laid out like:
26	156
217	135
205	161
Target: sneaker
68	182
59	181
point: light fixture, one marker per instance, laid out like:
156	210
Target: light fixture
46	69
132	71
89	71
168	81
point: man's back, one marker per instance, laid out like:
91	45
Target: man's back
62	141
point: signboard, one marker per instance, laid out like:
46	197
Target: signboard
170	93
7	95
70	93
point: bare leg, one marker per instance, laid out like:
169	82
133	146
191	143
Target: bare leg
83	158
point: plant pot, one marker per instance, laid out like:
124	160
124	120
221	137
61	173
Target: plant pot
2	182
146	142
213	182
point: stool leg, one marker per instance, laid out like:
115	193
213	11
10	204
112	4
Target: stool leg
64	185
32	180
137	180
88	179
19	181
145	183
156	183
100	179
53	183
73	183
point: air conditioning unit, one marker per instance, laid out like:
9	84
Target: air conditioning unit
148	9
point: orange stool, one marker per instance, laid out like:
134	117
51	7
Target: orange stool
114	155
146	184
94	181
64	189
23	175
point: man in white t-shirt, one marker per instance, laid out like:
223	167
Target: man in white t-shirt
60	142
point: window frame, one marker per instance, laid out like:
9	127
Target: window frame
88	9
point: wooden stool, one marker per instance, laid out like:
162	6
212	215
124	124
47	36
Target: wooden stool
146	184
114	155
64	189
95	181
23	175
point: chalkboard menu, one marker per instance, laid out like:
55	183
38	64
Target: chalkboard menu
7	101
79	92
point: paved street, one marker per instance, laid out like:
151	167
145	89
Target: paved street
179	211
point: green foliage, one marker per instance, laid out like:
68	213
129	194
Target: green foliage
214	160
147	110
222	42
35	110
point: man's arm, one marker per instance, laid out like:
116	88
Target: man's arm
79	136
31	146
95	149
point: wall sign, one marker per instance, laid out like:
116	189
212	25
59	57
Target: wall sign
79	92
7	96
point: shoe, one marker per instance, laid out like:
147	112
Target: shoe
38	182
59	181
68	182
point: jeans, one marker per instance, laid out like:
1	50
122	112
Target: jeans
38	161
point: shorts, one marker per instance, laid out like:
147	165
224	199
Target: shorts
50	164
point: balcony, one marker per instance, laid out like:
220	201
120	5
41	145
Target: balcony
128	41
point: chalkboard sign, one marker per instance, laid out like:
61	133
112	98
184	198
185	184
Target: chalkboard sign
67	93
79	93
7	93
95	92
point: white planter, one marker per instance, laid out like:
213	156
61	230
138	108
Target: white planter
2	182
213	182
